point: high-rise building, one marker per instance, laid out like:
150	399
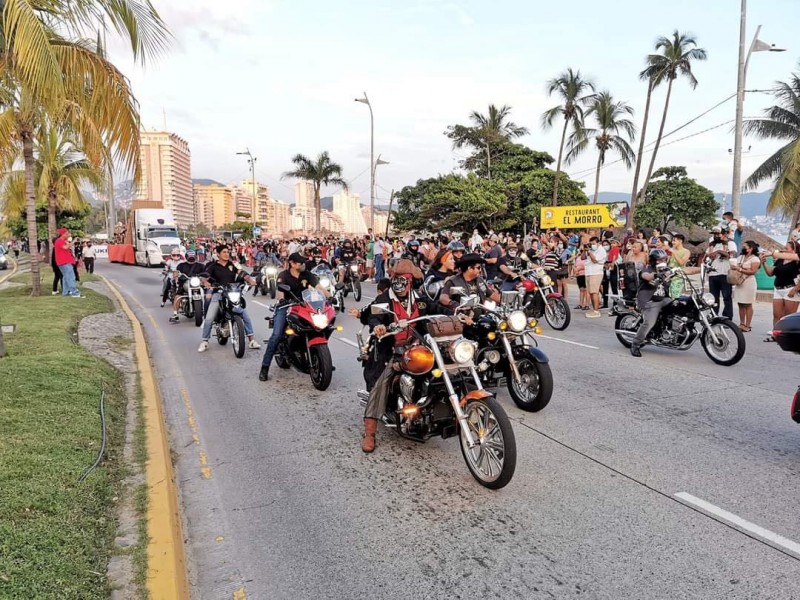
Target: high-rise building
304	194
348	208
166	164
278	219
214	203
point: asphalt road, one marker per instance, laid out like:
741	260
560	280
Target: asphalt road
280	502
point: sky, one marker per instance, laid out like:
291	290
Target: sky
280	77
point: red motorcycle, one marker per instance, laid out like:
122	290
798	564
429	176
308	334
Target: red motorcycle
787	334
310	321
541	300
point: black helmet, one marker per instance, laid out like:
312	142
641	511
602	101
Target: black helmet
657	255
315	251
347	243
413	245
456	246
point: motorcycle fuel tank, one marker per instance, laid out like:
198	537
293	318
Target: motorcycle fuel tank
787	333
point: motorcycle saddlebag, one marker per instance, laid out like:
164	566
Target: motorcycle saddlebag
444	326
787	333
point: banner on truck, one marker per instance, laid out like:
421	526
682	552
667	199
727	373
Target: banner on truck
585	216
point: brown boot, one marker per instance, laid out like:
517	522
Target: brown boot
368	441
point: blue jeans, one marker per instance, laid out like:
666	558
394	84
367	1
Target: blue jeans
278	327
718	284
211	315
379	272
68	287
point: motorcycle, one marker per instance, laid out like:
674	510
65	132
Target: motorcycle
229	324
327	279
540	300
268	283
787	335
310	321
505	357
439	393
352	280
191	305
682	322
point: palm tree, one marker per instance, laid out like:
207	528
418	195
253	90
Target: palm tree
487	130
677	54
572	90
613	131
781	122
320	172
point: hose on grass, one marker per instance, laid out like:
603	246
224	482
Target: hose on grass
85	474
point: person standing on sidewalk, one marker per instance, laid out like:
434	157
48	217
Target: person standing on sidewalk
720	250
596	257
379	248
65	262
88	256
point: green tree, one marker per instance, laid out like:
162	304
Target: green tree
674	197
573	92
486	134
321	171
781	122
675	59
612	133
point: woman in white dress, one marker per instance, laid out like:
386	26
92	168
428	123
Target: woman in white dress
744	294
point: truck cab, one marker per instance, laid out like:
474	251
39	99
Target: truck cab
155	236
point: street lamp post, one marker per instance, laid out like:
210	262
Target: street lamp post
744	60
372	165
378	161
252	162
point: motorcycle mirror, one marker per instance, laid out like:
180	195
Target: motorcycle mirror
284	288
490	305
469	301
380	309
456	291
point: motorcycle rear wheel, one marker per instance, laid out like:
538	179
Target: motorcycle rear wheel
239	338
627	322
731	348
197	307
557	314
493	461
321	367
533	393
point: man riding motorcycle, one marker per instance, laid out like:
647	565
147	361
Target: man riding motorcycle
185	271
651	297
223	272
404	304
511	265
316	259
346	257
470	280
298	279
171	269
413	254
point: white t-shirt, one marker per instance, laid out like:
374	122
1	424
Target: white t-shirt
378	247
722	265
88	252
596	268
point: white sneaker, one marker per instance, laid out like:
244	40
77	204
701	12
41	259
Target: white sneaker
56	293
254	345
203	346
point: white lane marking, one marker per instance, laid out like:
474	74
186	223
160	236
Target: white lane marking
261	304
719	514
367	297
348	342
547	337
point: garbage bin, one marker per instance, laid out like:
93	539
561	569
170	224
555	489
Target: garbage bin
764	281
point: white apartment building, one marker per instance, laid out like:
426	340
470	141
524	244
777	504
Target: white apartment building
214	204
304	194
166	165
348	208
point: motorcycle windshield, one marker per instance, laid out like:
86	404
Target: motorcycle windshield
322	271
314	298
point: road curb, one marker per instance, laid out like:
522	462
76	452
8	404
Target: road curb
166	566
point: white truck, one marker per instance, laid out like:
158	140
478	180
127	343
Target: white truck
155	236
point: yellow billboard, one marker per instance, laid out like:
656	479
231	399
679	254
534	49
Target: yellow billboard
585	216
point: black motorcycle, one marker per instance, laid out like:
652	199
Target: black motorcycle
787	335
352	280
191	305
229	324
682	322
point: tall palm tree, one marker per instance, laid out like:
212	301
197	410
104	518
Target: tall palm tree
675	59
573	92
612	132
319	172
488	130
781	122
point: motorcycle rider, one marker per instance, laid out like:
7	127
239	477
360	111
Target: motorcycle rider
170	273
298	278
403	302
316	259
652	296
186	270
470	280
511	265
413	254
223	272
374	361
347	256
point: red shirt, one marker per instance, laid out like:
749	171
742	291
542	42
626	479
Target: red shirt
64	254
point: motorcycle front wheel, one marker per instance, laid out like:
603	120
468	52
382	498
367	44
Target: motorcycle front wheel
197	307
280	356
493	460
730	345
626	326
556	313
238	336
221	329
357	290
273	290
321	367
535	388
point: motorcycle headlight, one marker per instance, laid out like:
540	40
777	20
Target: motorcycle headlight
547	280
708	298
2	259
319	321
272	271
354	268
325	282
194	282
517	321
462	351
234	297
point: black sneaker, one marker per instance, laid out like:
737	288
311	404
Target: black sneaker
263	374
635	351
174	319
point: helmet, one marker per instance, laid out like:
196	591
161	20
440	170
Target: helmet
347	243
412	245
432	289
456	246
315	251
657	255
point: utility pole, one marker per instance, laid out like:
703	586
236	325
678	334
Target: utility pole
372	165
254	203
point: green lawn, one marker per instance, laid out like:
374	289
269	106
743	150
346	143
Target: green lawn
55	534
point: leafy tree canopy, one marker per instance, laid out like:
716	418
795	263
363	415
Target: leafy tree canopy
73	219
673	196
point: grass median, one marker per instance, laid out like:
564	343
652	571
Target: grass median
56	534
